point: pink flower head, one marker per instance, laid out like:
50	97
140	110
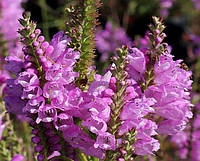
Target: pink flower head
105	141
137	60
63	121
52	89
46	113
137	108
95	124
27	79
31	92
146	146
171	127
59	43
145	129
33	105
18	157
100	84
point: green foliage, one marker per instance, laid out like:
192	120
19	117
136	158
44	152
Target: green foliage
10	144
3	47
80	27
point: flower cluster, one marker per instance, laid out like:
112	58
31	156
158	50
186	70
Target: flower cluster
116	117
171	93
188	141
138	106
9	29
10	44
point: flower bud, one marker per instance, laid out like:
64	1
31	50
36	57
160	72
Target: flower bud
39	51
44	45
41	39
35	131
46	65
158	40
38	148
28	27
157	31
40	157
121	159
43	59
37	31
32	36
35	139
36	43
18	157
49	50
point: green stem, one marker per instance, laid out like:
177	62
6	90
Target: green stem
118	100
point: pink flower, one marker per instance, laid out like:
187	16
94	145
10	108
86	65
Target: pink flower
145	147
18	157
105	141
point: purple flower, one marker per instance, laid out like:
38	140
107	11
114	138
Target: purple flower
12	89
54	154
18	157
196	4
105	141
31	92
137	108
46	113
180	139
59	43
9	25
165	6
52	89
71	131
98	107
14	64
145	147
137	60
171	127
68	57
195	151
60	74
54	73
100	84
27	79
14	104
128	125
145	129
95	124
63	121
33	105
171	92
109	39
